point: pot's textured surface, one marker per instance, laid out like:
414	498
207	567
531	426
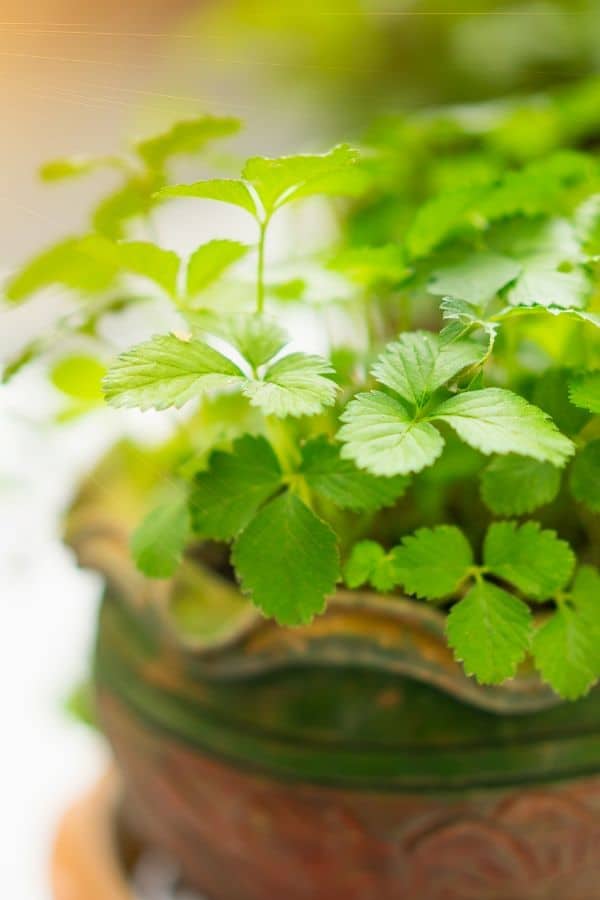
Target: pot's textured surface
344	783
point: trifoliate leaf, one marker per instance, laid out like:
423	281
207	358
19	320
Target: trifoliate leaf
585	476
584	391
209	261
256	338
475	279
565	650
338	480
418	363
495	420
228	494
185	137
534	561
68	263
380	435
547	287
373	265
158	542
369	563
226	190
513	485
295	385
287	561
278	181
166	371
432	562
489	631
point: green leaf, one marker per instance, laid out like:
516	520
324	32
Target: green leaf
513	485
68	263
225	190
547	287
189	136
166	371
369	563
444	216
418	363
585	476
380	435
74	166
489	631
295	385
432	562
158	542
373	265
494	420
476	278
132	199
278	181
338	480
537	562
584	391
209	261
226	497
142	258
256	338
585	597
462	317
79	377
565	649
287	561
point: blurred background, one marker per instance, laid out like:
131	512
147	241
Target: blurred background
85	78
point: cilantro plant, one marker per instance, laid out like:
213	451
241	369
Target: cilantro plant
446	444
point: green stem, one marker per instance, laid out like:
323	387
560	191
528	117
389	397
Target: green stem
260	274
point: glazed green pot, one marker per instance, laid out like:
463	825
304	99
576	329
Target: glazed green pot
347	760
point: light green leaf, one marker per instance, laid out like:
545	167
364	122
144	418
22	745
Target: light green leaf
295	385
463	317
584	391
79	377
74	166
373	265
380	435
432	562
369	563
256	338
287	561
226	190
158	542
585	476
547	287
67	263
512	485
278	181
536	562
418	363
585	596
141	258
209	261
489	631
565	649
475	279
166	371
338	480
444	216
132	199
188	136
228	494
494	420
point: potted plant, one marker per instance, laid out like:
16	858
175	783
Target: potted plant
351	624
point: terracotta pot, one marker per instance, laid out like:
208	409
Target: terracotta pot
350	759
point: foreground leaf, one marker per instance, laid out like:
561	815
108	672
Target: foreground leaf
565	650
547	287
369	563
225	190
536	562
295	385
418	363
432	562
489	631
513	485
158	542
381	436
338	480
227	496
166	371
494	420
287	561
